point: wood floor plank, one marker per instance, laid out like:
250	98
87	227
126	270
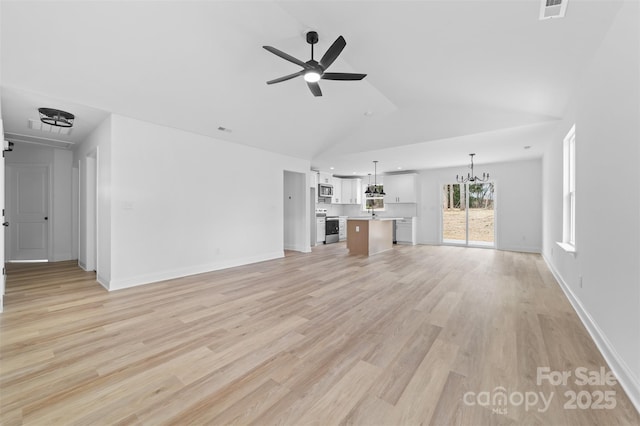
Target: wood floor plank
399	338
403	368
334	405
420	397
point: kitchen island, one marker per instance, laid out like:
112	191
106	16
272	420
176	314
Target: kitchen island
370	236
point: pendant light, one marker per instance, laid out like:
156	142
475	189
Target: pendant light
368	191
471	177
376	190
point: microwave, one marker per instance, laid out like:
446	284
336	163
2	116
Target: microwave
325	190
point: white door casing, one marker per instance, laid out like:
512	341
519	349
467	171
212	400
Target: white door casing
27	212
2	206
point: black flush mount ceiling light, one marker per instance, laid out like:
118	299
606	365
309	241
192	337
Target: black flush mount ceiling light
471	177
56	117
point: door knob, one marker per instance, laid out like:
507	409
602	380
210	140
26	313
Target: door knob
46	218
5	224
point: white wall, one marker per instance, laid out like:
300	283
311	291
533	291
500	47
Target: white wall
518	219
75	236
60	199
183	203
97	145
606	110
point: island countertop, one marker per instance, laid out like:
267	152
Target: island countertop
374	218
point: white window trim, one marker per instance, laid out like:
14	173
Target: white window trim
568	243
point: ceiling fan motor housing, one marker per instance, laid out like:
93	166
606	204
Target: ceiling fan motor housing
312	37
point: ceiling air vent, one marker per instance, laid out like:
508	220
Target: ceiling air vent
47	128
552	9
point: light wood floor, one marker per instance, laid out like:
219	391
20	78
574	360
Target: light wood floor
403	337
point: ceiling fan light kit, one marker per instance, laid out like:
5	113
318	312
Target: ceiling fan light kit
56	117
312	76
312	70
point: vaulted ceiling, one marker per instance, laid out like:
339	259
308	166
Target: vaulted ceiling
444	78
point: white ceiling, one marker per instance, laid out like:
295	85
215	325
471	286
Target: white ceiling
445	78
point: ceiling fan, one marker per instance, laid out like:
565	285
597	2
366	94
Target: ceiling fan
313	70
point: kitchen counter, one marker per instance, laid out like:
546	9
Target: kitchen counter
369	236
374	218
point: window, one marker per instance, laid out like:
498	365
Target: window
373	201
569	208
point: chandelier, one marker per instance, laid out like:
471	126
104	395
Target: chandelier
471	177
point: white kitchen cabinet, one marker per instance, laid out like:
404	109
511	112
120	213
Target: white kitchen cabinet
352	191
342	228
400	188
406	231
337	190
324	177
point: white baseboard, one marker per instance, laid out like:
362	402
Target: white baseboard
619	367
301	249
1	304
520	249
120	284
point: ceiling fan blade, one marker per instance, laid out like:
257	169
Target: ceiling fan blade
333	52
287	56
315	88
342	76
286	77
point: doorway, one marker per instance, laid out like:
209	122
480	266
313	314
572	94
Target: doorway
468	214
4	225
295	233
27	207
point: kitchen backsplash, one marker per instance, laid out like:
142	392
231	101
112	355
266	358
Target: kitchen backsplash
391	210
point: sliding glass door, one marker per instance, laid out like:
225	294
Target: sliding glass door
454	216
468	214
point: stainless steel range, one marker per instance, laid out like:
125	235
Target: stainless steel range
332	229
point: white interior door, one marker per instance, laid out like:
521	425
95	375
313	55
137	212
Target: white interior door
27	208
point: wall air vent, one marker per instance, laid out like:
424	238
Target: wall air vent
552	9
36	124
